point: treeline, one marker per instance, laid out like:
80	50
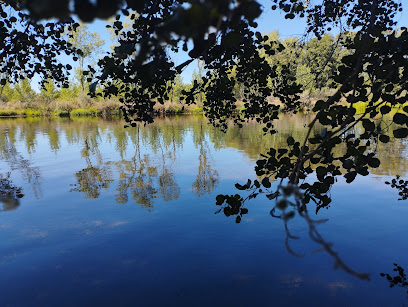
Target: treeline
22	99
312	63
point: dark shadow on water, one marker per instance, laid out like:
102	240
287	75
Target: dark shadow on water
397	279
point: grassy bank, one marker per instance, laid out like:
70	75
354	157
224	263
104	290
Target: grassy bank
61	113
92	109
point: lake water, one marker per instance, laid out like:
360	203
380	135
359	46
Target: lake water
93	213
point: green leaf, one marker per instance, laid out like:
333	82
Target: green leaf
256	183
384	138
385	109
347	164
368	125
400	119
389	88
318	105
400	133
266	183
374	162
220	199
321	171
290	140
350	176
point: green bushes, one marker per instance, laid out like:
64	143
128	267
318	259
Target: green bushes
31	112
8	113
24	112
198	109
85	112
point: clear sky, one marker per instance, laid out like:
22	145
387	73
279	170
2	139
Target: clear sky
270	20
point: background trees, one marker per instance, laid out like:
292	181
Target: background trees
88	46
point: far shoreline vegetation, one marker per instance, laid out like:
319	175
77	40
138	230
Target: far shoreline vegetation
28	103
312	64
110	107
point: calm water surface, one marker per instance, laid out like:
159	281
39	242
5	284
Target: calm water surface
93	213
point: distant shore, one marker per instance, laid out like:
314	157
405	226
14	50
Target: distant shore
103	108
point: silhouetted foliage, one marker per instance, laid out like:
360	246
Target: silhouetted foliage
28	47
401	185
399	280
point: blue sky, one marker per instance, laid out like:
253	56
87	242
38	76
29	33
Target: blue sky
269	21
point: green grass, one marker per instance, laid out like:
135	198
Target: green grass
85	112
61	113
362	106
8	113
197	110
31	112
24	112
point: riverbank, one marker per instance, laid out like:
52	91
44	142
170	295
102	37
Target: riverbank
95	109
112	108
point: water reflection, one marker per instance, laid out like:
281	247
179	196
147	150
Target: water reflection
15	160
176	158
207	177
147	155
92	179
9	194
398	278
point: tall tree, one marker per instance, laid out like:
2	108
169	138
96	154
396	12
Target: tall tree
89	46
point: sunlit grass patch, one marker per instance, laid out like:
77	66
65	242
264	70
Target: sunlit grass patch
31	112
85	112
8	113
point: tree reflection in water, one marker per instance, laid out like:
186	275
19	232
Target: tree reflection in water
207	177
9	194
148	173
169	189
92	179
144	177
16	161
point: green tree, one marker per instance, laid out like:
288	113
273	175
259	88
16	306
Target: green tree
176	89
24	91
322	58
7	93
89	45
49	92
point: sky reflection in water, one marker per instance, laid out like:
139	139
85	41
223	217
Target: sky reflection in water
95	213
